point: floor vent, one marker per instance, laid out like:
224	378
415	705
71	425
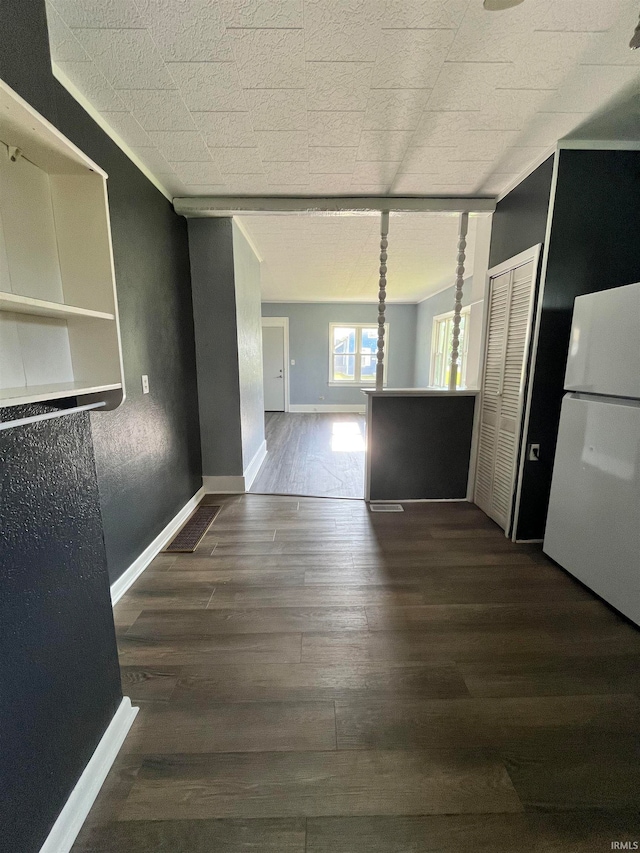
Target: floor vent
386	508
187	540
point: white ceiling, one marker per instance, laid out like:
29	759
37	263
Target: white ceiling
290	97
310	258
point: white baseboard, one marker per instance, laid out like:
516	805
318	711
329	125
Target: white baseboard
356	408
419	501
69	823
223	485
251	471
130	575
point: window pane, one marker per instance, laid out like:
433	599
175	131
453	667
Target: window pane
369	340
368	367
344	339
344	368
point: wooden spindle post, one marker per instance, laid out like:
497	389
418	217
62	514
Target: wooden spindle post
382	295
457	306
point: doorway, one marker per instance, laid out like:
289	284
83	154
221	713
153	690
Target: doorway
275	363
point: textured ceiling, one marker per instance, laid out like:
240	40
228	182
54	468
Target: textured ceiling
336	258
289	97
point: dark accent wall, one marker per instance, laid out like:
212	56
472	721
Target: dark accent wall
420	447
59	685
593	246
225	276
59	676
520	219
214	305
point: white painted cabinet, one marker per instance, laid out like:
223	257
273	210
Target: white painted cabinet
512	288
59	332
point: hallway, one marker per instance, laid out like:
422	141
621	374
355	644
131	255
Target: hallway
317	454
315	678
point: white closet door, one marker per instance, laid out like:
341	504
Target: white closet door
510	311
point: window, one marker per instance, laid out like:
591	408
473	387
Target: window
353	353
441	340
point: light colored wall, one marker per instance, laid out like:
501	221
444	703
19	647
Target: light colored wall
439	303
309	346
249	330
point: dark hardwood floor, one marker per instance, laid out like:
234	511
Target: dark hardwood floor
321	455
317	679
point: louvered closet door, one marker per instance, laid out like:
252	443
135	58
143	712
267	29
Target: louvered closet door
510	308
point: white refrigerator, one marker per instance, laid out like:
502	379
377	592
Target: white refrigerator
593	524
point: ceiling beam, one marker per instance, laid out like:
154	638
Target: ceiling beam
213	206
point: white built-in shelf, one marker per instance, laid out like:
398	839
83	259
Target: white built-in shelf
43	308
55	391
59	330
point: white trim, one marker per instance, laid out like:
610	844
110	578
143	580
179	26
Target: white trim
34	419
251	471
243	230
534	306
358	408
75	93
341	301
516	261
540	159
74	813
282	323
130	575
421	501
71	151
226	206
226	485
528	541
599	145
542	277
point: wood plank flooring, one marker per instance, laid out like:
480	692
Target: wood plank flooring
313	454
317	679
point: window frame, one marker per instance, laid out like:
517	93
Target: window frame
356	383
462	355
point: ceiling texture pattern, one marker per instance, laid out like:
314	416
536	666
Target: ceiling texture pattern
310	258
343	97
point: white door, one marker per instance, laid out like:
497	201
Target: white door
508	332
273	367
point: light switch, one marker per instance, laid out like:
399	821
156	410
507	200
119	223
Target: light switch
293	361
145	384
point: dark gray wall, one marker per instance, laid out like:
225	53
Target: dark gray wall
439	303
420	447
225	276
148	450
309	346
248	318
59	676
214	311
520	219
59	686
593	246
